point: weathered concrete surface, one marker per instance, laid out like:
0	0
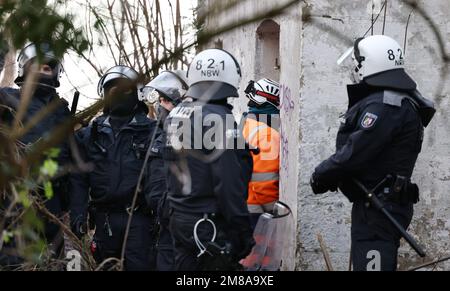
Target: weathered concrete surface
323	99
314	95
243	44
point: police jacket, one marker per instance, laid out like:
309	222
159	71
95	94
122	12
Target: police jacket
381	135
207	178
117	160
9	102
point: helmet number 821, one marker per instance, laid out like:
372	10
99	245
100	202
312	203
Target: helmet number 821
210	64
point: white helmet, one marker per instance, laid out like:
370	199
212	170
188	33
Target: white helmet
170	84
29	53
379	61
183	76
264	91
120	72
214	74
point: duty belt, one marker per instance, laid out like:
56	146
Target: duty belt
116	209
398	189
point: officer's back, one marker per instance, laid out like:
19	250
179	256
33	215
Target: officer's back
201	161
209	176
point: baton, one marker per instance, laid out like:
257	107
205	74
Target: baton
76	97
376	202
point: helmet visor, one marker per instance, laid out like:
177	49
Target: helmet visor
117	73
167	80
150	94
30	52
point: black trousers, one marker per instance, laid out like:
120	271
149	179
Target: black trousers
375	241
165	260
186	251
109	236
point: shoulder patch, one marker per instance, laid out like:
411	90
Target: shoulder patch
393	98
369	120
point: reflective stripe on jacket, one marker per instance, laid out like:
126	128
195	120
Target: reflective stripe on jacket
264	185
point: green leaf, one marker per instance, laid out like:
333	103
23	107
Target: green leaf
53	153
24	200
48	189
7	236
49	168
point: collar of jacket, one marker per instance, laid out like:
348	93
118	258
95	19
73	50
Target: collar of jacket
360	91
139	120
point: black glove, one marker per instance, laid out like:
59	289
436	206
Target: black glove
319	187
243	243
246	247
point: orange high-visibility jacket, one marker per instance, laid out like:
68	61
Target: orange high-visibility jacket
264	185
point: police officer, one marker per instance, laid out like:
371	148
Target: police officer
380	140
48	71
116	144
166	91
208	186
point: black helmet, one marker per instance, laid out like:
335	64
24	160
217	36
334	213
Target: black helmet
119	72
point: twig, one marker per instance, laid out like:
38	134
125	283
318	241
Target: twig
325	253
26	94
435	263
375	20
384	19
107	261
42	209
38	117
136	194
373	7
406	32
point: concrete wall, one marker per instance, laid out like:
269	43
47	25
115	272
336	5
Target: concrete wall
243	43
313	97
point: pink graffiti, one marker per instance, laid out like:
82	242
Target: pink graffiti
284	150
287	103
